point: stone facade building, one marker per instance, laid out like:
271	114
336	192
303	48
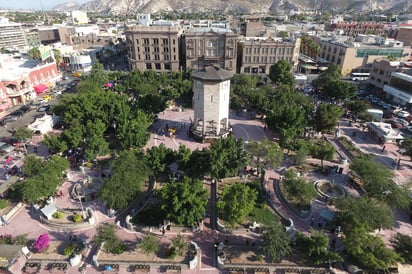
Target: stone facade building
153	48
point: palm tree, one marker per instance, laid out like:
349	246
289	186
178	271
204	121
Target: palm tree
57	56
34	54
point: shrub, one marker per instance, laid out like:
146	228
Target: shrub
171	253
77	218
69	249
57	215
3	203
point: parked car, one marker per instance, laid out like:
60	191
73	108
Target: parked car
403	114
9	119
25	108
6	147
44	108
395	124
403	122
17	113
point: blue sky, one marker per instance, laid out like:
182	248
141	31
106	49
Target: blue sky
34	4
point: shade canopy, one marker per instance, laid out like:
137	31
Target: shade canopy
40	88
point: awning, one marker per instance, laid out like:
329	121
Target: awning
40	88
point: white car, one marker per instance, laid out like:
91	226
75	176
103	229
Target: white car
403	114
6	147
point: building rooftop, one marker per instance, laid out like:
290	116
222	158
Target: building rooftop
217	30
13	69
212	73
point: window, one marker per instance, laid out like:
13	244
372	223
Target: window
166	57
211	99
156	49
174	57
165	49
211	52
147	57
157	57
146	41
148	65
230	52
174	42
158	66
137	41
165	42
156	41
147	49
167	66
190	52
211	43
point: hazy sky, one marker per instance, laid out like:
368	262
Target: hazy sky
34	4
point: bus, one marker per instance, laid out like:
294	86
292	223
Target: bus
359	76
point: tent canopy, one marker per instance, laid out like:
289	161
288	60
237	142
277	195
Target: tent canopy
40	88
75	260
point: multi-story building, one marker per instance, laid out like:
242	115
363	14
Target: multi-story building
404	34
32	38
12	35
381	71
209	46
354	28
153	48
258	54
358	55
399	89
49	35
20	79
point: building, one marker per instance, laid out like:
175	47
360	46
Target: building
79	17
211	94
404	34
252	26
258	54
209	46
381	71
357	55
153	48
399	89
49	35
355	28
12	35
32	38
20	79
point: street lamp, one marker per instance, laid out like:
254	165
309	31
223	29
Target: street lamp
81	206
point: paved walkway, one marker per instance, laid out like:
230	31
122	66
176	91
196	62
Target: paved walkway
243	127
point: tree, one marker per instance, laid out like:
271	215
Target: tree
329	75
106	233
316	247
327	117
402	244
199	163
95	143
241	87
32	166
352	210
151	103
379	183
309	47
126	182
57	56
339	89
297	190
281	74
149	244
357	107
55	143
23	134
179	244
226	157
158	158
368	250
34	54
98	75
236	203
276	242
184	201
322	150
264	154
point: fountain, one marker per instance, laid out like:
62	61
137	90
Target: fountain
329	189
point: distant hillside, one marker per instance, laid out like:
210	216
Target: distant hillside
67	6
244	6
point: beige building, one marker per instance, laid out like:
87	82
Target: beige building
210	46
353	56
405	34
258	54
153	48
381	71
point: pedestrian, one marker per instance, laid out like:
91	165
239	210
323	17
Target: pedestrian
383	148
118	224
163	232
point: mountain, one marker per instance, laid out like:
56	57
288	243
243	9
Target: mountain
67	6
243	6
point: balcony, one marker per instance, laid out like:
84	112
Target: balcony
13	92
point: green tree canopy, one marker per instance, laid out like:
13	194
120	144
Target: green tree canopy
264	154
402	244
236	203
368	250
107	233
184	201
352	211
226	157
327	117
126	182
316	247
158	158
281	74
297	190
276	242
378	182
